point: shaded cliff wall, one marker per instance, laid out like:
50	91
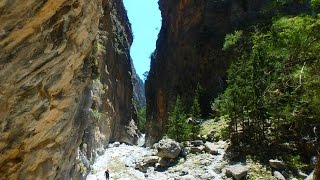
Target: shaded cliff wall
65	85
189	52
112	113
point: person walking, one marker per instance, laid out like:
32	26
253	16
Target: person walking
107	174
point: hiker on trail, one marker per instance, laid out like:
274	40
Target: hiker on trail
107	174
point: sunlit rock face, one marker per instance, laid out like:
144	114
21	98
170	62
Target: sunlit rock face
43	78
60	89
189	53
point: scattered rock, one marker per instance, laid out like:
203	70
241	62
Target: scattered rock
195	150
151	159
277	164
278	175
167	148
197	143
237	171
147	162
184	172
211	148
185	151
206	176
205	162
116	144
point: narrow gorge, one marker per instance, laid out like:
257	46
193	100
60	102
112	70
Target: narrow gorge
70	95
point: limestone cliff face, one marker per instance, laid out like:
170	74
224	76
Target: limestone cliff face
189	52
112	112
50	52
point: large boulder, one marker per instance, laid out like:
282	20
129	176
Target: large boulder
277	164
237	171
211	148
168	148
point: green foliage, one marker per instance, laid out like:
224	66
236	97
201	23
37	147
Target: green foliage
315	3
195	111
195	114
232	39
219	125
178	128
276	80
96	114
294	161
142	119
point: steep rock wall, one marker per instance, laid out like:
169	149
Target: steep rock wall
53	115
189	52
44	75
112	113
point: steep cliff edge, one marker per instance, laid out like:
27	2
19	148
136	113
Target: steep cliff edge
50	52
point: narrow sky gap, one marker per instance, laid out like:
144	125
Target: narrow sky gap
145	18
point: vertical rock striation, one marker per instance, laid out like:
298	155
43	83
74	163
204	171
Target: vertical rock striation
189	52
112	113
138	90
44	75
50	52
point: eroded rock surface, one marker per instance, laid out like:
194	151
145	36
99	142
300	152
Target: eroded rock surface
65	81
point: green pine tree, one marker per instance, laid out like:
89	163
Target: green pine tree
178	128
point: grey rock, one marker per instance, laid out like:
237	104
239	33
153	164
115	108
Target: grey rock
147	162
237	171
167	148
278	175
302	174
195	150
277	164
185	151
211	148
164	162
151	159
184	172
116	144
197	143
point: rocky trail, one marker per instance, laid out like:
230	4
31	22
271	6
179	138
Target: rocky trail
122	160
